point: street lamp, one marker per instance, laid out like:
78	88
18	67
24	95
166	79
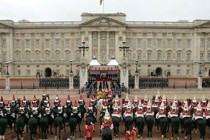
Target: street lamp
124	48
71	66
199	73
83	48
7	69
136	66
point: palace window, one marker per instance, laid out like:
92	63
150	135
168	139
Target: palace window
57	42
159	42
168	56
4	42
28	56
28	73
67	55
149	42
37	55
139	42
67	42
201	56
57	55
187	72
37	42
178	72
149	55
139	56
178	56
202	42
159	56
27	43
47	42
17	42
188	56
47	55
178	43
18	56
189	43
169	42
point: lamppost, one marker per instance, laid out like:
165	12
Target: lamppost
7	73
136	66
71	66
124	48
83	48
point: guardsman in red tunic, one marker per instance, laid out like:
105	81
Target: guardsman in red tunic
116	100
107	121
125	102
135	102
161	115
203	104
88	130
131	134
116	110
173	110
207	112
146	100
149	111
129	111
194	103
198	113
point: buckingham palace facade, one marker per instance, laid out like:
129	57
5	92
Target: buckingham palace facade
179	49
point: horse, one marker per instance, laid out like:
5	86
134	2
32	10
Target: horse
163	125
201	124
73	121
128	122
106	134
33	123
140	123
149	122
188	125
44	123
91	116
116	123
58	124
175	126
3	126
20	124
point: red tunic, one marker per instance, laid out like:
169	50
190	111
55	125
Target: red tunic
88	129
131	135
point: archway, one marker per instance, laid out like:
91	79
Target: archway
48	72
158	71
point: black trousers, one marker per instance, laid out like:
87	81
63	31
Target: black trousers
88	138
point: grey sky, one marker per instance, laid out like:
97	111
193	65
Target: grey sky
136	10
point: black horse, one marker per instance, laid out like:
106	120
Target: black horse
140	123
20	124
116	123
175	126
33	124
188	125
163	126
150	120
3	126
128	122
73	124
201	124
106	134
44	124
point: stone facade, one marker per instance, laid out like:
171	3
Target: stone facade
177	49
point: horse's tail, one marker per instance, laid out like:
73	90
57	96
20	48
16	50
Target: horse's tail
202	127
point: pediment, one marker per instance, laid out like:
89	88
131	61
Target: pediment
103	21
205	25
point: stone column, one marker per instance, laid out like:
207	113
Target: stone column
99	46
199	82
124	73
107	46
83	74
7	80
136	80
71	80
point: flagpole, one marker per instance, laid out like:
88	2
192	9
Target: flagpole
103	6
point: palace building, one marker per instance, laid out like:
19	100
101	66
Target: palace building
177	49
